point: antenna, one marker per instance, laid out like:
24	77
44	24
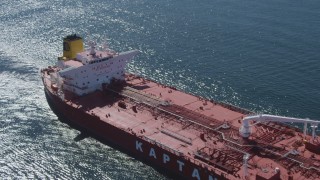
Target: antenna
92	45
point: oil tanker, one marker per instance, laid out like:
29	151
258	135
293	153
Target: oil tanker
186	136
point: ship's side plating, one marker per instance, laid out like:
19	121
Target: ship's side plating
82	72
186	135
150	151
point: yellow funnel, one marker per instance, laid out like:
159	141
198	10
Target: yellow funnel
72	45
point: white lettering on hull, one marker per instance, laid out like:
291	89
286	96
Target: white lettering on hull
195	174
181	164
166	158
212	178
152	153
139	146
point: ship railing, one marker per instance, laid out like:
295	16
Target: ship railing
171	113
181	118
234	108
209	167
155	105
177	136
178	153
153	102
212	168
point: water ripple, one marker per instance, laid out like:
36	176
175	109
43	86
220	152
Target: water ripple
261	55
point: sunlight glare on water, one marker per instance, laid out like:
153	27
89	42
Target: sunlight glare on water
260	55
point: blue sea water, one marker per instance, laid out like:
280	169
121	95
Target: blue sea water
260	55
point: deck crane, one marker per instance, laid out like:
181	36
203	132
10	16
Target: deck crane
245	129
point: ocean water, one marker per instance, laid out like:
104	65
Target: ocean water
259	55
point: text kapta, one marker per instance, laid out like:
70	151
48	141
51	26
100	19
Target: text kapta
165	158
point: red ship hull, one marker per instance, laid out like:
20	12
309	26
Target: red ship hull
178	133
148	151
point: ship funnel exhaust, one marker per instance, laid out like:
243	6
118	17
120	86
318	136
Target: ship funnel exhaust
72	45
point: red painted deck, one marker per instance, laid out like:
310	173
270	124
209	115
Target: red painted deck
204	132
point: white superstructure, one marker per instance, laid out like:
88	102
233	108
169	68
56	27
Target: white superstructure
90	69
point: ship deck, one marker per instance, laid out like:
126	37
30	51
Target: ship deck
204	131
